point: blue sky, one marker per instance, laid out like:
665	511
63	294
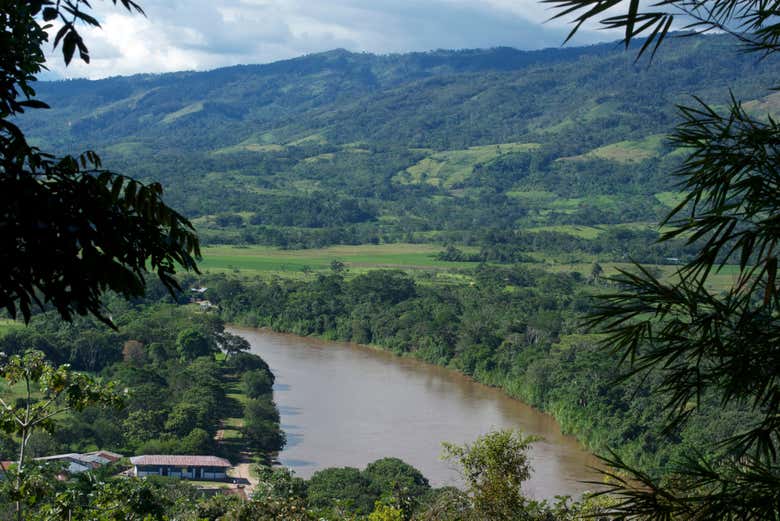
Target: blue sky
205	34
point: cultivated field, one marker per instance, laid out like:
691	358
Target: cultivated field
265	259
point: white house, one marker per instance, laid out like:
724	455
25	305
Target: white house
209	468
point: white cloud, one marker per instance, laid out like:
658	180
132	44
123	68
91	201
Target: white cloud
204	34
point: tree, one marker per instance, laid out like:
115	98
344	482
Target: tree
345	486
261	425
183	418
278	482
61	390
192	344
257	383
233	344
142	425
494	468
596	272
114	500
382	286
699	343
71	230
197	441
384	512
338	267
133	353
243	362
447	504
271	509
398	482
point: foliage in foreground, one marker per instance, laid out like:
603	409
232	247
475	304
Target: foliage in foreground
696	342
494	468
71	230
179	389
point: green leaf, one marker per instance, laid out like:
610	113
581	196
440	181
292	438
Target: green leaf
69	46
34	104
49	14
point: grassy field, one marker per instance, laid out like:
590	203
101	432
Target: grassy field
189	109
7	325
265	259
670	199
452	166
718	281
12	393
583	232
420	259
627	151
230	437
534	198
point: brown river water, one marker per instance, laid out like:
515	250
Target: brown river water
347	405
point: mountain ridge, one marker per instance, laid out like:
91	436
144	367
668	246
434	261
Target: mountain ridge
430	56
408	140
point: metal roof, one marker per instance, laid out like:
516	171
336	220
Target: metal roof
181	461
72	456
105	454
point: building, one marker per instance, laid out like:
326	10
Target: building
75	463
209	468
78	463
206	305
104	457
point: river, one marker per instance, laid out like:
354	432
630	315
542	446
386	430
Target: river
347	405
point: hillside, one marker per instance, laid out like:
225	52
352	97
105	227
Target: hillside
343	148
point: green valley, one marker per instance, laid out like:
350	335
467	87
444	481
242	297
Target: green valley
529	223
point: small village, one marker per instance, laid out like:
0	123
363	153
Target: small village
210	474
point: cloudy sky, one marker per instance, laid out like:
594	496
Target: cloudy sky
205	34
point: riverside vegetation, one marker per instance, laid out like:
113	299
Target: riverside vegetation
183	377
516	327
179	391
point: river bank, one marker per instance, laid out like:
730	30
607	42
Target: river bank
346	404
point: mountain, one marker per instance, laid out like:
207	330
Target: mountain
342	147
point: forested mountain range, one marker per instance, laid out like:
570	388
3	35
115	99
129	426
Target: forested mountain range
341	147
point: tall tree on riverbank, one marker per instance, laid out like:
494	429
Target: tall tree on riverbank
704	343
494	468
70	229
